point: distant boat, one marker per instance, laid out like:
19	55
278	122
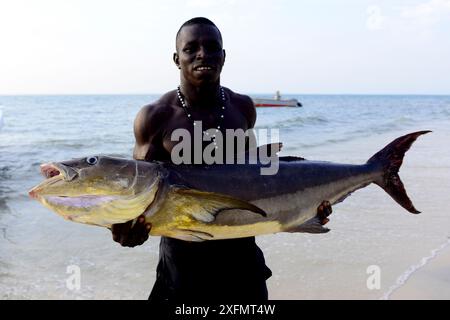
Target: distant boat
276	102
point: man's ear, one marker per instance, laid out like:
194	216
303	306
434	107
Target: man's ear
224	56
176	59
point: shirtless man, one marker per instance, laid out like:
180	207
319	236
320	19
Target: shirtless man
203	271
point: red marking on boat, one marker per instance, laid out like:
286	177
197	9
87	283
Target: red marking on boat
271	105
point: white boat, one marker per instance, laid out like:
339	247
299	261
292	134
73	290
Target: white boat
276	102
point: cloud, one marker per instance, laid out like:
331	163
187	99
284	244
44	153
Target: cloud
427	13
420	19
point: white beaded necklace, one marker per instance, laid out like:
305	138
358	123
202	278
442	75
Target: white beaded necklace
189	115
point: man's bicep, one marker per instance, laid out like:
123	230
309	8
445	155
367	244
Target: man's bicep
144	132
142	125
249	111
251	114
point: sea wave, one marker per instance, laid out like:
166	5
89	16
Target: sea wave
302	121
403	278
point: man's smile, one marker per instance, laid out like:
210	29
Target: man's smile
204	68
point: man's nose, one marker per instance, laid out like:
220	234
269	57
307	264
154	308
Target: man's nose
201	53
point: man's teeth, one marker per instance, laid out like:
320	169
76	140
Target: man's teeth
204	68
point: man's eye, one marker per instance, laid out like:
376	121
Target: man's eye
187	50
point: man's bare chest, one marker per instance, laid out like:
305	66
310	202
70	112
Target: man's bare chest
183	124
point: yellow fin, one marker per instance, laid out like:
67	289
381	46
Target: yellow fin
204	206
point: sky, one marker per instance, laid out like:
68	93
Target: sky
302	47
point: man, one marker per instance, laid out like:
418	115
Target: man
203	271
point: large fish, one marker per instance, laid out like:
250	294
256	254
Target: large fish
208	202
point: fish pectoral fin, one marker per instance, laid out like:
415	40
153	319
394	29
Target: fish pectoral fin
204	206
313	225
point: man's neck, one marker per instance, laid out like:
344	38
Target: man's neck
205	96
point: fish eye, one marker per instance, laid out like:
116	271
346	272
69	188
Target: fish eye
92	160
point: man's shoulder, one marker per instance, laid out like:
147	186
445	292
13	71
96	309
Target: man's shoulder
245	104
238	97
161	108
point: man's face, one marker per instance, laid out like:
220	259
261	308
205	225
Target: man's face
200	55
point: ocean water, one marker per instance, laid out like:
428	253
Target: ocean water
38	248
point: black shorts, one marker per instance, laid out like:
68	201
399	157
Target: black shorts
211	271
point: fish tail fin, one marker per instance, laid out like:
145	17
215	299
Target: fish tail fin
391	159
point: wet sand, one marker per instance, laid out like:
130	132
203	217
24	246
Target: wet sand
370	229
429	282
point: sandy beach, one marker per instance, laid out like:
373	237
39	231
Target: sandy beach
412	252
430	280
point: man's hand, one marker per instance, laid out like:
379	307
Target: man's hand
129	236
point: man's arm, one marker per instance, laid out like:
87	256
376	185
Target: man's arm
247	107
145	130
146	127
249	111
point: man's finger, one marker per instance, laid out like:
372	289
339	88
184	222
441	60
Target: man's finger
115	237
121	231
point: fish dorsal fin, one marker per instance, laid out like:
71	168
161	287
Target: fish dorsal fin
266	149
205	206
270	147
291	158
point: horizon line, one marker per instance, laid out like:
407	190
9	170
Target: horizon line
250	94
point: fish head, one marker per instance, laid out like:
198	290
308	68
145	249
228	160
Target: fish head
98	190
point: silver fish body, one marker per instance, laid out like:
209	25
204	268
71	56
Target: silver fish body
211	202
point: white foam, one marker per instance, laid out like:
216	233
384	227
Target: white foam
402	279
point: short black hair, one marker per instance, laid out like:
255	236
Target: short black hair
197	20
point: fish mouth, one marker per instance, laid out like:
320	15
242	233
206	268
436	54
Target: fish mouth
50	170
53	172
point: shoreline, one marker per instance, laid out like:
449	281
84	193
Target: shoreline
424	280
